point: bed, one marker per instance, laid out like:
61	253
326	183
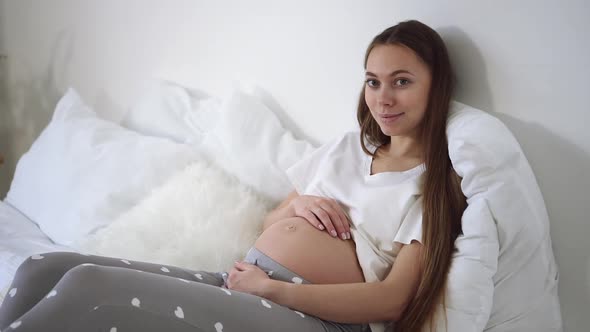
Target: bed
19	238
106	188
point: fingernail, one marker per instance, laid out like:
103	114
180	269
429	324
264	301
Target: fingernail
348	236
333	233
343	236
321	227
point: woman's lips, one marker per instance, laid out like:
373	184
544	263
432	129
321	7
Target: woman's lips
390	118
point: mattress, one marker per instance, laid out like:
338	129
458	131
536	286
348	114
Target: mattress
19	238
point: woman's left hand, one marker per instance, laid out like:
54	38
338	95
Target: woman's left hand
247	278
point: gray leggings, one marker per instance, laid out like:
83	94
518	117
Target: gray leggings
74	292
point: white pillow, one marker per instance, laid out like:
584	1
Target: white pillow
83	172
249	141
201	219
166	109
239	132
504	269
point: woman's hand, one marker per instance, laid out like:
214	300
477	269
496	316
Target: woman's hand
323	213
247	278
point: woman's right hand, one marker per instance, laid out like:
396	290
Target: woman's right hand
323	213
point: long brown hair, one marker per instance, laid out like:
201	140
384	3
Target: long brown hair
443	200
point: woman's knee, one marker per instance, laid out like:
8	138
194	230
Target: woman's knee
84	275
86	283
51	265
88	276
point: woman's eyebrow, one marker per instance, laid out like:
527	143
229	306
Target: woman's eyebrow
399	71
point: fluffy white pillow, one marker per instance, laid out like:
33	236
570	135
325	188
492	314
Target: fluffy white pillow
83	172
201	219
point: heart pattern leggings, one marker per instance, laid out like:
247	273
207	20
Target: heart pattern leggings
63	291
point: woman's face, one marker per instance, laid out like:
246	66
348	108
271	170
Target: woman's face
396	89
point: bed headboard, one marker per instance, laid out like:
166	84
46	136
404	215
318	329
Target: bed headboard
528	62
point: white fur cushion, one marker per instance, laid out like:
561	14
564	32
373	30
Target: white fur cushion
201	219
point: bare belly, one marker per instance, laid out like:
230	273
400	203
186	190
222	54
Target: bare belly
313	254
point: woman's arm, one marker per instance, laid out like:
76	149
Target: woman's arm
356	303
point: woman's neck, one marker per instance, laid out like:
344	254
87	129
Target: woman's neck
401	154
403	147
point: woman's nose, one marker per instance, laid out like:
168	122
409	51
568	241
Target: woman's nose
385	97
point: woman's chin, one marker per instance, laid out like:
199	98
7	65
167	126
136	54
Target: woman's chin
392	131
387	131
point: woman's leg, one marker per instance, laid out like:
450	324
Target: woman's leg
103	298
39	274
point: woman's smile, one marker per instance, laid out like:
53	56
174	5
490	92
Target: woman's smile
387	118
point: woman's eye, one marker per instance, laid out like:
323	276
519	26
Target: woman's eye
372	83
402	82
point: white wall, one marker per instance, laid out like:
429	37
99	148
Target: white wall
526	61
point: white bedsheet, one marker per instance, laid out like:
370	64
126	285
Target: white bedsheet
19	239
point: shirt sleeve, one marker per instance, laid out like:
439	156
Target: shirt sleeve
411	227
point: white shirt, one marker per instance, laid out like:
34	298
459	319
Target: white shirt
385	209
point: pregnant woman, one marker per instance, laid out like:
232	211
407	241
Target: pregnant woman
364	242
